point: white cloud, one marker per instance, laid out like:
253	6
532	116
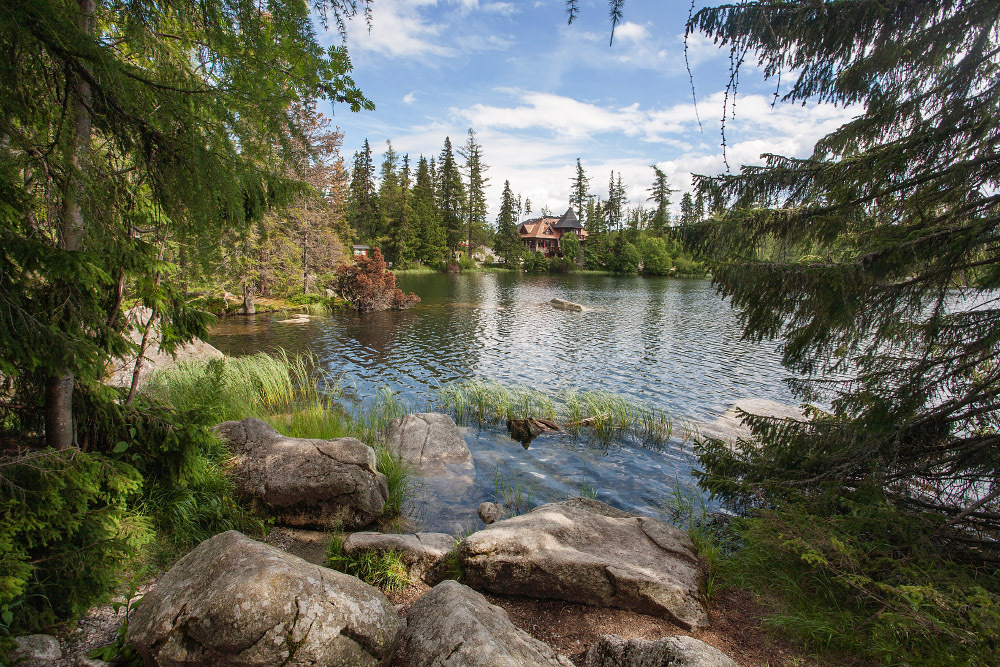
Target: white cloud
399	29
410	97
631	32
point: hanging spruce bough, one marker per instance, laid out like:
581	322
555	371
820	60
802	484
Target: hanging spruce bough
125	126
893	226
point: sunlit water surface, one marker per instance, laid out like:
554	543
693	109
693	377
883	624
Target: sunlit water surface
672	343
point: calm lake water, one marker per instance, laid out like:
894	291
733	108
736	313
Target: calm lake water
672	343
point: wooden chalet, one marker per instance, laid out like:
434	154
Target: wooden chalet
543	234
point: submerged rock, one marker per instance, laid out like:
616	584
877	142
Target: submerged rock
490	512
423	553
454	625
306	482
582	550
562	304
236	601
427	440
677	651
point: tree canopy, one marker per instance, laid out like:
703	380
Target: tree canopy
888	308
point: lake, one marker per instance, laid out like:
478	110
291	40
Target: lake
670	342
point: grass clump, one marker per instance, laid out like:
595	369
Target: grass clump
513	492
605	416
383	569
294	395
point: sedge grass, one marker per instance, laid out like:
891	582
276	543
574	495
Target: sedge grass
295	396
383	569
608	416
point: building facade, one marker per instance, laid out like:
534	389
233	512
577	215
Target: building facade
543	234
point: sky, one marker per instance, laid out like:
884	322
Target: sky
540	93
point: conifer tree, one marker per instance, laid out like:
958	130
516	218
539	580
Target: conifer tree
430	240
363	196
688	214
450	196
128	137
900	210
579	193
506	242
475	192
660	195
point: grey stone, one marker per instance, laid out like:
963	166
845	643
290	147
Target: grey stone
236	601
154	358
676	651
35	651
84	661
427	440
305	482
454	626
730	426
490	512
562	304
423	553
585	551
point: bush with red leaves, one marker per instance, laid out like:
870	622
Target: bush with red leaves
370	287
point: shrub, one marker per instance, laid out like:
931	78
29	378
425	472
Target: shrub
370	287
383	569
866	579
535	262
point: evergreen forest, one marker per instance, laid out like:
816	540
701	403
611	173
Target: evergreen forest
165	163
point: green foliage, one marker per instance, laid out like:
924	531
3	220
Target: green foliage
292	394
891	212
69	530
535	262
606	416
513	492
506	242
624	257
569	244
868	580
383	569
655	258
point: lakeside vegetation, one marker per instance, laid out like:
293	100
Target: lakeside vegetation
137	169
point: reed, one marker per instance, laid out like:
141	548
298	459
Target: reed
295	396
601	414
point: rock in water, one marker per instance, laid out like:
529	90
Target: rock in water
454	625
35	651
582	550
322	483
677	651
562	304
490	512
427	440
236	601
423	553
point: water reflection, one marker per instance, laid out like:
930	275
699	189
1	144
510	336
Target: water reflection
670	342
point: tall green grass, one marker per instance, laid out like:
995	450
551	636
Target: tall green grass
612	416
293	394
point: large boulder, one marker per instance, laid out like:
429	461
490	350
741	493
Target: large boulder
306	482
423	553
677	651
582	550
236	601
154	358
454	626
427	440
35	651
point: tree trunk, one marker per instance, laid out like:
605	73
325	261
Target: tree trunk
59	386
248	307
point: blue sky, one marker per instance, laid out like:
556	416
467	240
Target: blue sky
541	93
